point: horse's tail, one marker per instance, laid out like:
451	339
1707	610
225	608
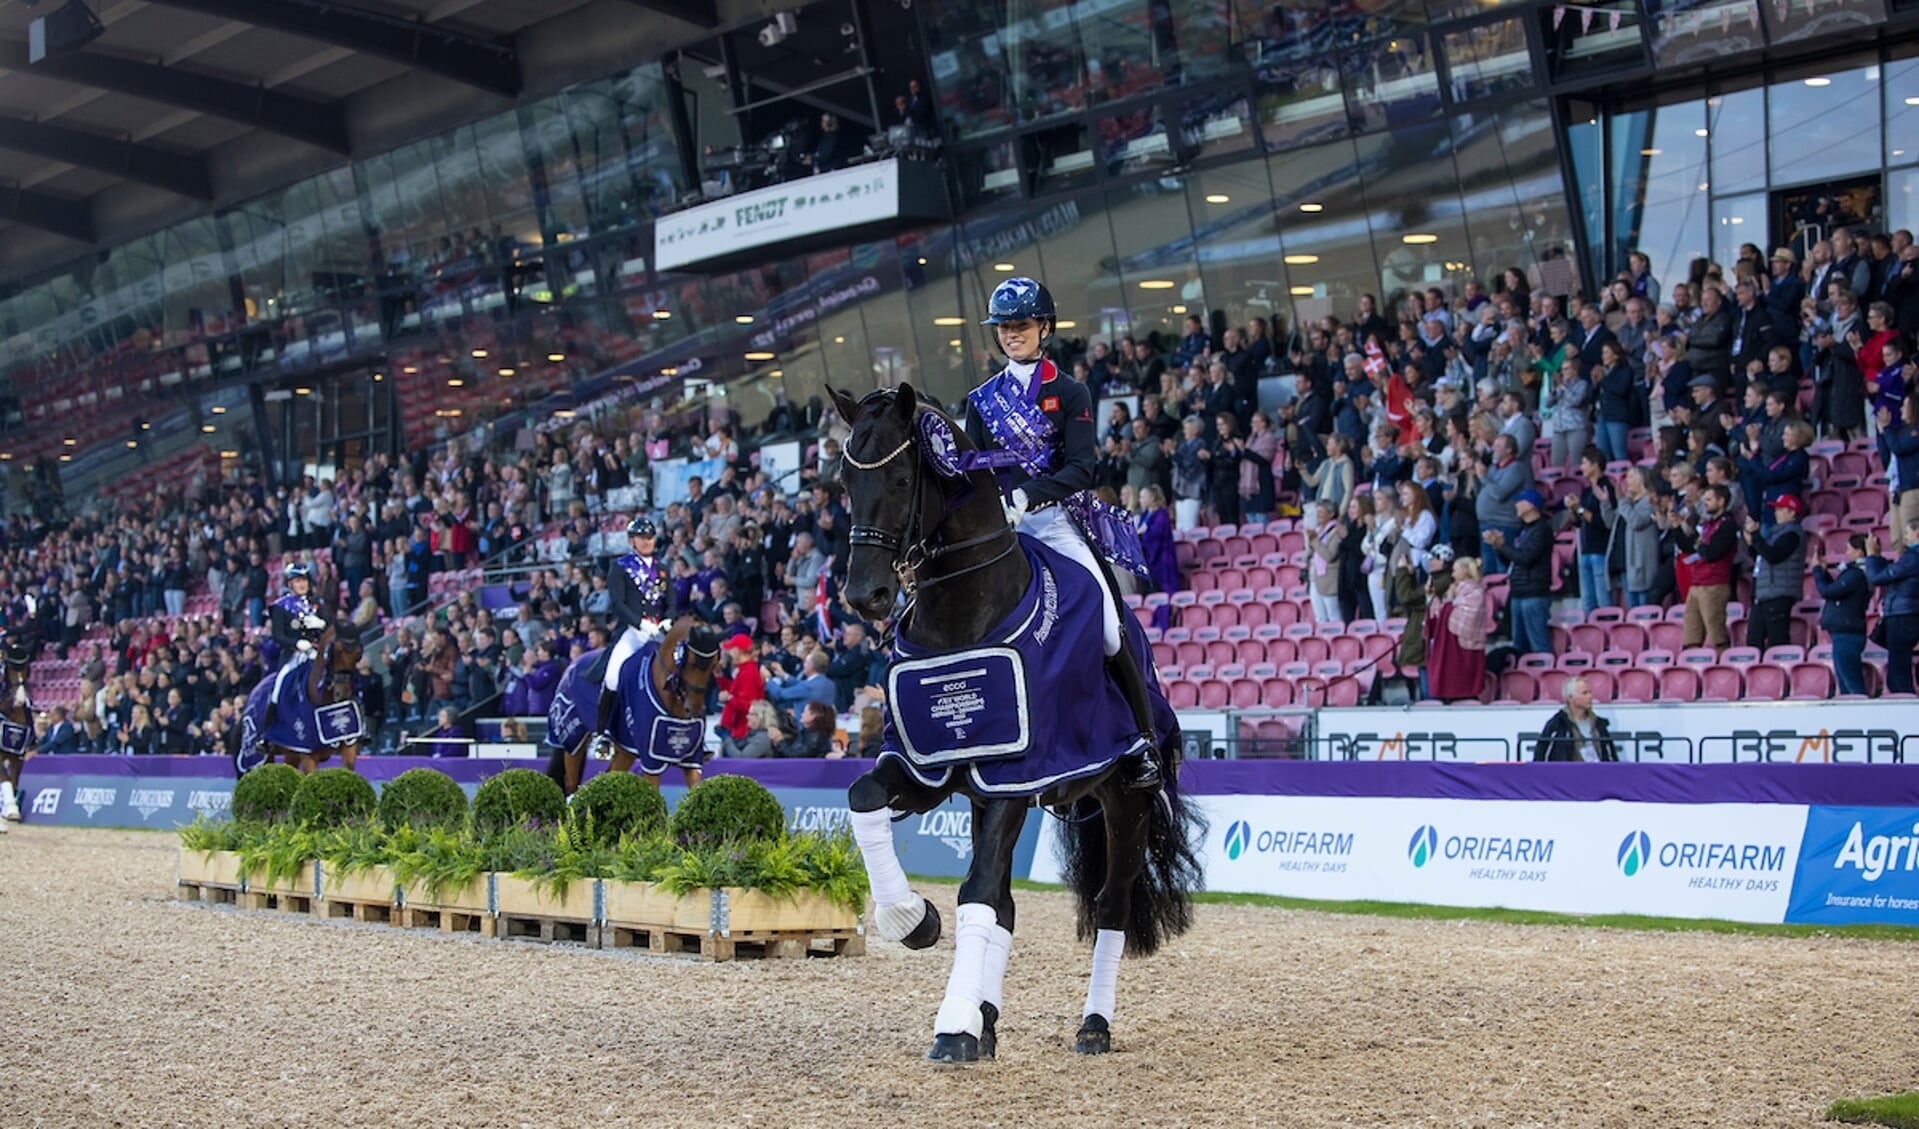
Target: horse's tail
1161	905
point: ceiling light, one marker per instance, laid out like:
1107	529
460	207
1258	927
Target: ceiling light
303	391
1065	325
949	320
1419	238
1218	198
145	426
1302	292
759	355
456	382
1913	101
954	343
839	340
1701	132
669	371
378	377
1818	82
1004	267
922	262
207	428
1301	260
229	454
777	372
556	358
1312	207
66	458
6	456
743	319
71	441
132	443
564	413
479	354
1157	284
1179	309
1650	152
410	370
508	371
662	315
219	411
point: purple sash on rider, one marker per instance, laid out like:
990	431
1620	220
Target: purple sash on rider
1007	408
1110	531
998	712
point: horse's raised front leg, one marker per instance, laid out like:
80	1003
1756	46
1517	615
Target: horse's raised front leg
981	944
690	774
899	914
349	755
566	766
1124	814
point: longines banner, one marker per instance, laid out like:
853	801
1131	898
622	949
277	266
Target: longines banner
812	204
1703	733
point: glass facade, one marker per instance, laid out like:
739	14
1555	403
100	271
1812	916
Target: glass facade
1147	159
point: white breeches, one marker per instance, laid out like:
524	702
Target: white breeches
629	644
1056	530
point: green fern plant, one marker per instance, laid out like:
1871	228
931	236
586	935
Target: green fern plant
438	861
280	853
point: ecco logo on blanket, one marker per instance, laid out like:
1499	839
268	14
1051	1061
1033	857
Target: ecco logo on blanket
960	708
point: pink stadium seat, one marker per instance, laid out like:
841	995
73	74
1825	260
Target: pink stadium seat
1614	661
1740	656
1627	637
1231	579
1698	656
1220	652
1245	694
1189	653
1249	652
1678	684
1645	616
1665	637
1552	684
1281	651
1200	580
1278	691
1636	686
1313	648
1603	687
1767	682
1214	694
1535	663
1182	694
1723	683
1164	654
1344	692
1812	681
1575	660
1587	637
1381	644
1196	616
1606	616
1519	686
1785	656
1347	648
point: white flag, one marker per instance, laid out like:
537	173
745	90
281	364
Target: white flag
1559	14
1585	20
1615	21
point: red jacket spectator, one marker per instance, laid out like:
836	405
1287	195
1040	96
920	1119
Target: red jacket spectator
743	687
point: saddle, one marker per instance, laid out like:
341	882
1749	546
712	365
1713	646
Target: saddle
595	671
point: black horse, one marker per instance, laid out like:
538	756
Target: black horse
942	539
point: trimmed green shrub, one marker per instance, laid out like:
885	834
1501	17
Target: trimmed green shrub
265	795
515	797
725	808
422	797
332	797
616	804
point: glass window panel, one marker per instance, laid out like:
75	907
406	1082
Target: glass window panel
1383	19
1700	31
1325	235
1063	156
1158	262
1237	235
1419	226
1464	9
1488	59
1831	113
1204	37
1216	124
1046	63
599	140
1130	46
1659	186
1790	20
1289	30
988	173
968	68
645	114
1133	142
548	136
1390	83
1737	221
1300	103
1512	189
1738	125
934	295
1902	110
1575	46
501	152
1902	199
1586	143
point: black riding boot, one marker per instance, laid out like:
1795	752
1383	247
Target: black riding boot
1144	773
603	728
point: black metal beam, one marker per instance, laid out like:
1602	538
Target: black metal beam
481	63
62	215
304	119
183	173
699	13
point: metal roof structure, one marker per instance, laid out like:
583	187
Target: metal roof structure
183	105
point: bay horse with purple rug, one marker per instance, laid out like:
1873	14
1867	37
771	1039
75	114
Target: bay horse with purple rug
308	729
661	721
16	719
995	638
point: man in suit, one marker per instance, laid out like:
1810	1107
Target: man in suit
1590	337
1751	331
1785	291
61	735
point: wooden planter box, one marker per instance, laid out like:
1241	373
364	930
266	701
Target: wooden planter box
209	876
462	909
297	895
727	923
368	895
530	914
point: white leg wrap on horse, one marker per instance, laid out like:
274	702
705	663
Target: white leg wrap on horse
966	985
999	946
873	832
9	802
1104	988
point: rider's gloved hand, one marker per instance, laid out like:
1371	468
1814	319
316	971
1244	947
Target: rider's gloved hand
304	646
1015	507
313	623
651	629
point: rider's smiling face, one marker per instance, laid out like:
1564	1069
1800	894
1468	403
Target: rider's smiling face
1020	339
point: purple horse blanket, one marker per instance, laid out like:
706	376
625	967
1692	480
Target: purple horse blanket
641	725
1031	707
298	724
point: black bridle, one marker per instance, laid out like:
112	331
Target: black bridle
917	543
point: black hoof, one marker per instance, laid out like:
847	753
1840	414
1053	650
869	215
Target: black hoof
1095	1037
989	1031
954	1048
927	933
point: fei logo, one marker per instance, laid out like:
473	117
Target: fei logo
1635	851
1239	837
46	802
1424	845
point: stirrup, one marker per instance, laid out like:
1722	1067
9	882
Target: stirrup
601	747
1142	765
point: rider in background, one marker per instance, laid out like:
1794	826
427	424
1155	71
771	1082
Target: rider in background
294	622
641	601
1023	317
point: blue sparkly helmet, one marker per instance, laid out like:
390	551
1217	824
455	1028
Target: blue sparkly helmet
1020	299
297	571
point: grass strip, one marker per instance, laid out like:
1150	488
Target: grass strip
1900	1111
